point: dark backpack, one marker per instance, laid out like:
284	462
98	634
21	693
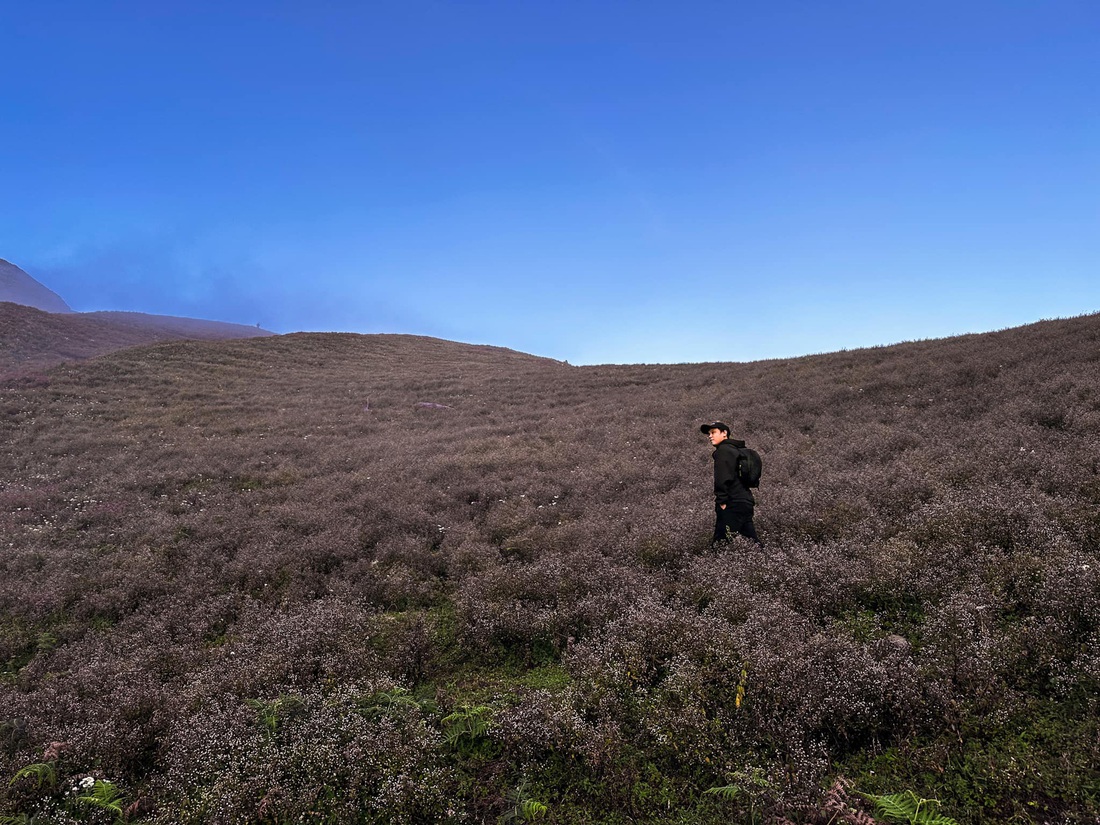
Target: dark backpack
749	467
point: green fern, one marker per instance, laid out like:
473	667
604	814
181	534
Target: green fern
524	809
104	795
466	726
532	809
377	704
43	773
907	808
726	792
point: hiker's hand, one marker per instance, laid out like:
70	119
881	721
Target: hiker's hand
723	506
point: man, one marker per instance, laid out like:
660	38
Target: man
733	501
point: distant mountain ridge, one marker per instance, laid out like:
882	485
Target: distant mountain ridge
31	339
38	329
17	287
179	326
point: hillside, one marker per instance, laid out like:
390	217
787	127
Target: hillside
177	327
16	286
346	578
31	339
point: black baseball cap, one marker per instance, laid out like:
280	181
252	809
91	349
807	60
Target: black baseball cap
715	425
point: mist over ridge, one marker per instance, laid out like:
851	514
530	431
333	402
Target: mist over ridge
38	329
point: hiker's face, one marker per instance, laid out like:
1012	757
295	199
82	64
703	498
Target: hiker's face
716	436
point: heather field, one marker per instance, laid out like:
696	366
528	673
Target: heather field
385	579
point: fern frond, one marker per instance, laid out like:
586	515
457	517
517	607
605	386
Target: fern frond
726	792
43	773
105	795
532	809
900	807
907	808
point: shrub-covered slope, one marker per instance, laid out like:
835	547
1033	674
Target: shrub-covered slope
32	340
338	578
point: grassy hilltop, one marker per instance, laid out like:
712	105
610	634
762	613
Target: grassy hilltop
340	578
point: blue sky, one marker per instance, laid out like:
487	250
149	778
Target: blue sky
602	182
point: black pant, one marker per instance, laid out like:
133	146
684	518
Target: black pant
734	520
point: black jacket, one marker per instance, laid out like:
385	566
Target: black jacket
728	488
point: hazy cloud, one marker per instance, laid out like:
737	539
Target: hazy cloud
159	279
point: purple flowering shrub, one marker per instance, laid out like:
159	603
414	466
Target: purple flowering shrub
341	578
329	756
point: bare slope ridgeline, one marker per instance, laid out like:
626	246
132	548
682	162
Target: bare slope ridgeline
38	329
342	578
31	339
17	287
